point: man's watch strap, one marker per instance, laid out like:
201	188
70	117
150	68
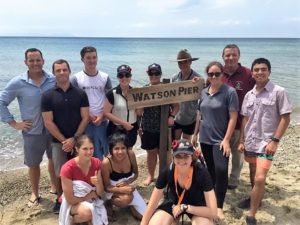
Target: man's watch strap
184	207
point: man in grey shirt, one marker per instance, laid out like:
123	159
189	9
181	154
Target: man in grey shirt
185	119
28	89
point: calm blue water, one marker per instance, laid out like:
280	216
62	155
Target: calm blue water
284	55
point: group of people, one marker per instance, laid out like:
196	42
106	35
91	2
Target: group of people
88	132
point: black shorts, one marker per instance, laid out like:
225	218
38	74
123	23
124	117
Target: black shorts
186	129
167	206
131	135
150	140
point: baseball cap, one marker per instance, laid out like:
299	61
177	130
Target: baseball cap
182	146
154	68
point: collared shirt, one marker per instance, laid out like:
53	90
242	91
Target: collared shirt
66	108
264	110
243	82
215	113
28	95
187	110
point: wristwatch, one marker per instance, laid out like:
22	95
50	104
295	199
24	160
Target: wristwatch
184	207
275	139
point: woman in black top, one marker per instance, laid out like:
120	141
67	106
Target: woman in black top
119	170
190	191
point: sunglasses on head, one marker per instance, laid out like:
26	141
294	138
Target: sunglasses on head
122	75
216	74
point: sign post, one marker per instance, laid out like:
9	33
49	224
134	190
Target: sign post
164	95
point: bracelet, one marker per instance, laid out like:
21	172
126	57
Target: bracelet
275	139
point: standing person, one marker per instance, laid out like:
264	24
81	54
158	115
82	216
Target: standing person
185	119
217	115
95	83
240	78
116	108
28	89
189	191
65	110
82	186
119	171
150	124
266	110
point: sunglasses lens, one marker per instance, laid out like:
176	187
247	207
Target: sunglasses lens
217	74
154	74
122	75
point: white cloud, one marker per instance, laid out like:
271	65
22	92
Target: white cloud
293	19
225	3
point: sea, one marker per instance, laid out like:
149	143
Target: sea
284	54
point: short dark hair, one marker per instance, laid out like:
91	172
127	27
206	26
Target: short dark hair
115	138
87	49
261	61
231	46
60	61
214	63
33	50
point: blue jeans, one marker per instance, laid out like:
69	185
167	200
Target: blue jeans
98	133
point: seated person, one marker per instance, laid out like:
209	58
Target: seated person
119	170
82	186
189	191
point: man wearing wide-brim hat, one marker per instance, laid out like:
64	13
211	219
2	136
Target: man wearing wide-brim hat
185	119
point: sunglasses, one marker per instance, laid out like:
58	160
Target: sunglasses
216	74
182	156
154	74
122	75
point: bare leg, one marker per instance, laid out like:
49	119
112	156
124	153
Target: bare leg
252	168
258	190
178	133
151	163
81	213
52	175
135	213
34	178
187	136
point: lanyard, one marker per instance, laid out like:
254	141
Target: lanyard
188	182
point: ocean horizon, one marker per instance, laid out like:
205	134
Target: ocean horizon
283	53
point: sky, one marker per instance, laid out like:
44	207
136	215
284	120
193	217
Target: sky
150	18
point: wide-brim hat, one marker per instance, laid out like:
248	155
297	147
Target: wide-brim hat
182	146
184	55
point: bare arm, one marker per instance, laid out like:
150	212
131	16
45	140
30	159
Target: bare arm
230	129
107	113
282	126
209	211
156	195
67	186
241	146
84	112
105	171
51	126
196	131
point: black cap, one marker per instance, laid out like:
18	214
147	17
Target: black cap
124	69
182	146
154	68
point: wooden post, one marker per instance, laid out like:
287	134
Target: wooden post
164	136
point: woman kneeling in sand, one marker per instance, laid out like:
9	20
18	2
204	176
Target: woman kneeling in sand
119	170
82	186
189	191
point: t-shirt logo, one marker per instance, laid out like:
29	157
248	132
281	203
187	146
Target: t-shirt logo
238	86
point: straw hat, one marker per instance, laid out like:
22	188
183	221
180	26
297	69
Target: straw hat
184	55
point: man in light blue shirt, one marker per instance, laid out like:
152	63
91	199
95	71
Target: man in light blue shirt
28	89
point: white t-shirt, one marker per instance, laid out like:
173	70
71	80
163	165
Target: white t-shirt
95	88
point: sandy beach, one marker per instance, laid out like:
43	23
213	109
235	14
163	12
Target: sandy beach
281	204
